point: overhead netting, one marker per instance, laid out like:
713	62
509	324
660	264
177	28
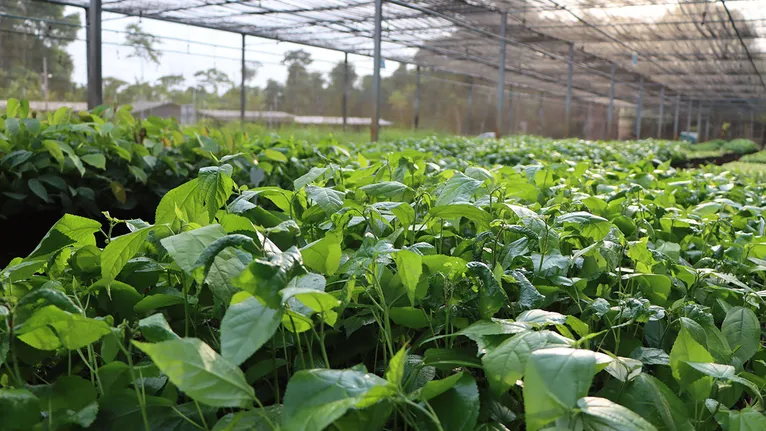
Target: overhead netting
711	52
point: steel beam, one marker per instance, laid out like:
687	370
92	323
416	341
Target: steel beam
344	101
469	117
242	90
638	107
540	114
661	118
416	122
689	116
675	116
610	111
699	121
501	75
707	128
95	70
376	71
568	108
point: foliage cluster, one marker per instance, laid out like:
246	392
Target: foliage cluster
455	285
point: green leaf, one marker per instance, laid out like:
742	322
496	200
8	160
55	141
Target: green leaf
187	247
541	318
182	203
410	266
395	371
331	201
457	189
492	297
69	230
385	189
743	332
656	287
19	408
590	225
159	300
716	371
323	255
155	329
215	187
265	419
264	279
747	419
138	174
529	296
50	328
73	157
409	317
316	398
313	174
38	189
200	372
687	348
602	414
274	155
458	407
119	251
479	217
246	326
506	363
554	380
55	151
434	388
654	401
96	160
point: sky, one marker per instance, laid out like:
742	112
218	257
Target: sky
186	50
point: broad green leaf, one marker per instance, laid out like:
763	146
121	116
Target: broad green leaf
55	151
38	189
529	296
265	419
312	175
541	318
316	398
386	189
183	203
716	371
652	400
478	216
506	363
215	187
457	189
265	278
747	419
458	407
96	160
186	247
492	297
656	287
69	230
70	400
409	317
228	264
590	225
602	414
246	326
200	372
554	380
743	332
395	371
331	201
19	408
434	388
119	250
410	266
323	255
687	348
51	328
155	328
274	155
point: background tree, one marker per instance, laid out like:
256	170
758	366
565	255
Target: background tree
142	45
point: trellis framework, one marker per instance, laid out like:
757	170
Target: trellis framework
705	58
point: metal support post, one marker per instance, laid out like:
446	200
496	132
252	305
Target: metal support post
707	127
95	86
610	111
344	102
638	107
469	125
376	71
752	125
689	116
417	97
501	75
541	114
242	91
510	111
568	108
661	118
586	128
699	121
675	116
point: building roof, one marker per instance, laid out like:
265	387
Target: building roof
146	105
233	115
352	121
42	106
